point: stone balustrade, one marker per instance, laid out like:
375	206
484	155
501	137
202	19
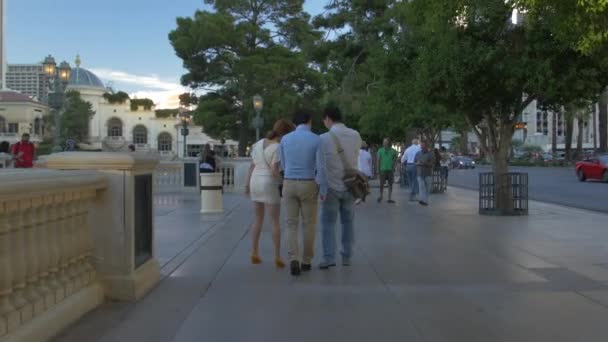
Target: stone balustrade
5	160
46	251
234	173
168	176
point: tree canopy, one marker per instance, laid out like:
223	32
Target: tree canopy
75	117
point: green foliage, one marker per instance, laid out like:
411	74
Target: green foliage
583	24
166	113
243	48
188	99
116	98
146	103
75	117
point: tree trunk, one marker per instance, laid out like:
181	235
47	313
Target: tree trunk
464	142
554	134
243	134
579	138
603	122
502	145
569	132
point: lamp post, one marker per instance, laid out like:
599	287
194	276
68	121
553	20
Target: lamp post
258	122
59	78
185	117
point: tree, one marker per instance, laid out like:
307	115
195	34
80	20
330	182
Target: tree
76	117
244	48
581	23
118	97
603	122
477	62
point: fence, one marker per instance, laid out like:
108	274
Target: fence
46	250
513	187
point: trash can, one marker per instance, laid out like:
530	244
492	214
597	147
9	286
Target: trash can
211	193
438	184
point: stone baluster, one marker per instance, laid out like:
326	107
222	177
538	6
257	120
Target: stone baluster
72	237
81	233
41	225
54	245
64	245
18	264
32	293
8	319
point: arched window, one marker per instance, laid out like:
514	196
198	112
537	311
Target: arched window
2	124
140	135
38	126
114	127
164	142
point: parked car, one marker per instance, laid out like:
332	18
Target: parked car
594	168
461	162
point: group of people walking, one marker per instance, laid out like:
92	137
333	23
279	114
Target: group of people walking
417	162
297	167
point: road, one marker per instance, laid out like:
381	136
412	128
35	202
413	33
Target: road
552	185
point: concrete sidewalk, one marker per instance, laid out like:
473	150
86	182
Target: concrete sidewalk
441	273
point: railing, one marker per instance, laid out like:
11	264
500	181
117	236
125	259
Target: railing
168	176
234	173
45	243
5	160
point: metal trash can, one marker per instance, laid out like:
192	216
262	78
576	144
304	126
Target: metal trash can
515	201
212	201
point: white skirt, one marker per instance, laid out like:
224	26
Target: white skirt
264	189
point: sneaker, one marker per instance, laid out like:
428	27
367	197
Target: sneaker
379	199
306	267
345	261
391	201
326	265
295	268
424	204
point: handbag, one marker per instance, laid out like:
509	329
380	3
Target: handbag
354	180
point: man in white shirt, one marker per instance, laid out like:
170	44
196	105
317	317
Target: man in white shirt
409	158
335	196
365	161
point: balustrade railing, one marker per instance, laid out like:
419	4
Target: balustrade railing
168	176
45	241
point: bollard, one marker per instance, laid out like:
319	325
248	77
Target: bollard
211	193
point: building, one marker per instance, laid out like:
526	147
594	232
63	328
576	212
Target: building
541	123
28	79
2	45
21	114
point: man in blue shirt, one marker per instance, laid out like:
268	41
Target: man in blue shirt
300	159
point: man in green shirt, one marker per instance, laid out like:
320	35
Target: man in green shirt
386	167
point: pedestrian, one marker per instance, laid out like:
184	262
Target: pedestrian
301	158
24	152
5	147
131	148
340	148
365	161
409	159
425	162
445	167
387	156
263	188
403	180
207	162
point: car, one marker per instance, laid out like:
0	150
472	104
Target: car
594	168
461	162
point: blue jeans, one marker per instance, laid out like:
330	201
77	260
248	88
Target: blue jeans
425	184
337	202
411	175
403	177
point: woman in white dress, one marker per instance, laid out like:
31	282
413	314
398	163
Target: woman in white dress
263	188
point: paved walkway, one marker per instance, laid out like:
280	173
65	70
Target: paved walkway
441	273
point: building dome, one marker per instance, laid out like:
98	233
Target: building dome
83	78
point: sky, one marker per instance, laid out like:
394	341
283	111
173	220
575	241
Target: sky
124	42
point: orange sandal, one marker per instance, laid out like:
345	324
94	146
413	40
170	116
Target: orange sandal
256	260
279	263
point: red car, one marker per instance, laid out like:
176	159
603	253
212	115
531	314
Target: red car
594	168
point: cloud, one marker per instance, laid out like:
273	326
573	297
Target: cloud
148	82
165	94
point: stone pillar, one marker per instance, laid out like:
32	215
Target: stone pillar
124	234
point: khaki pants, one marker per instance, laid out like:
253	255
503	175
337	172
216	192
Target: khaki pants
301	199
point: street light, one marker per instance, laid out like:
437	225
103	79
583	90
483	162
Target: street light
59	77
258	123
186	118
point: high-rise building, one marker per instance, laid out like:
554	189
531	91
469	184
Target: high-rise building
28	79
2	45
